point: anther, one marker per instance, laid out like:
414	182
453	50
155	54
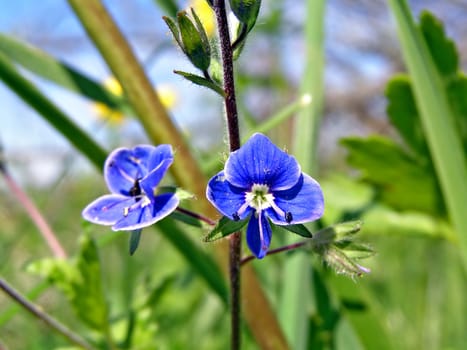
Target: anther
236	217
288	217
136	189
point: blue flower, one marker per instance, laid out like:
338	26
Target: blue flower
132	176
264	183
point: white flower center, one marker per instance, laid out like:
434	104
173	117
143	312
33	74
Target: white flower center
259	197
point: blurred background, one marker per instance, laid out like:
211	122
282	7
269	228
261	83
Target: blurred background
417	291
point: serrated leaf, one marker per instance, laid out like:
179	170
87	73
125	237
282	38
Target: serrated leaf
401	180
135	237
403	114
198	80
457	94
224	227
442	49
298	229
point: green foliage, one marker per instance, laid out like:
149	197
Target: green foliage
50	112
46	66
224	227
191	38
172	294
81	282
201	81
401	180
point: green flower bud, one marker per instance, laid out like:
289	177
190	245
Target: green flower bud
192	39
246	11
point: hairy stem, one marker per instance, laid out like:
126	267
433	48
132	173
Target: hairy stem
277	250
48	320
196	216
235	242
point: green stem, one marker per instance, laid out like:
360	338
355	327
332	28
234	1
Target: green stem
277	250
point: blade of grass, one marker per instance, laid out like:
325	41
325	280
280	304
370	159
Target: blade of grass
60	73
294	316
50	112
437	119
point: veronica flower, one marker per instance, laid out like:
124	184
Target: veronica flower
265	184
132	176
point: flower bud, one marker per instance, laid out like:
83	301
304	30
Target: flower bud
246	11
192	39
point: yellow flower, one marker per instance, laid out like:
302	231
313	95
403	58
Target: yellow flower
205	14
166	94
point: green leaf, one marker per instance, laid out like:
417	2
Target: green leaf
168	6
442	49
298	229
135	237
194	45
48	67
402	181
403	113
89	300
174	29
224	227
80	281
436	115
457	94
246	11
198	80
50	112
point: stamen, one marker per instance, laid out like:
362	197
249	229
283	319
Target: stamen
236	217
288	217
278	210
261	235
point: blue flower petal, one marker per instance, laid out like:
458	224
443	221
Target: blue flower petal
304	202
124	166
158	155
108	209
259	161
150	182
147	214
258	235
226	198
